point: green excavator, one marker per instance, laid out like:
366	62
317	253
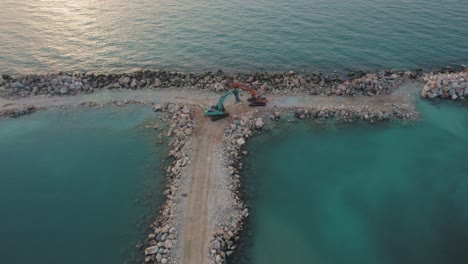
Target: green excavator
217	112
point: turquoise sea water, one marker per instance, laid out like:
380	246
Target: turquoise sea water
78	186
238	35
363	194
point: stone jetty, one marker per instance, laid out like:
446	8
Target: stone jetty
452	85
164	231
226	209
356	83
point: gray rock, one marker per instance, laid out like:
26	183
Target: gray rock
18	85
168	243
157	82
454	96
188	131
159	257
134	84
63	90
218	259
216	244
151	250
158	237
164	261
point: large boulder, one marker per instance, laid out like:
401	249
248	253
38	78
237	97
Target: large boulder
157	82
159	257
259	123
241	142
151	250
168	243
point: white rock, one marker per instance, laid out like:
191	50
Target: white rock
259	123
218	259
164	260
240	142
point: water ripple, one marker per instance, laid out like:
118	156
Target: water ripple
239	35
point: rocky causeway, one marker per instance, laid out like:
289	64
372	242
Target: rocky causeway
203	213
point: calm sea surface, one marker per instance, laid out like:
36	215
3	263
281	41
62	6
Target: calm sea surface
360	194
236	36
78	186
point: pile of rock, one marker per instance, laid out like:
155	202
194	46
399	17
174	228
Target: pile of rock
446	85
223	241
164	235
372	84
14	113
69	84
351	114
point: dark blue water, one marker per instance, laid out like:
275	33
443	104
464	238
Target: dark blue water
79	186
366	194
239	35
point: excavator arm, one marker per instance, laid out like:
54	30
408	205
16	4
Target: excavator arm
245	88
225	96
217	111
255	99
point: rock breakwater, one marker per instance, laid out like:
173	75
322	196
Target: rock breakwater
164	231
14	113
68	84
446	85
230	215
352	114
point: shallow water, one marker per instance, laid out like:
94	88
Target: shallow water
239	35
78	186
383	193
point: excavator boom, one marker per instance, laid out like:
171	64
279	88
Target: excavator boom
255	99
217	111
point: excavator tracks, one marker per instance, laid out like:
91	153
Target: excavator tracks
218	117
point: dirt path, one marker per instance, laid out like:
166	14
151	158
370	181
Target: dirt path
195	235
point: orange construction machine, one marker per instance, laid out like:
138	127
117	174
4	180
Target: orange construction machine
256	99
